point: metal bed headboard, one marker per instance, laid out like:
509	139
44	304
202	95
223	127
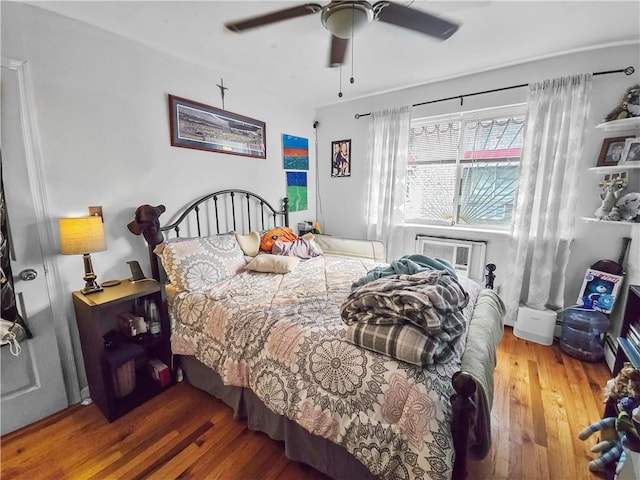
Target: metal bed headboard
224	211
228	214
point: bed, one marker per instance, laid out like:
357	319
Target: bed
273	346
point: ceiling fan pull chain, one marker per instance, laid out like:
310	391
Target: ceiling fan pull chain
340	92
353	21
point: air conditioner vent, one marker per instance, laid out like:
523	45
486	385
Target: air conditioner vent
467	256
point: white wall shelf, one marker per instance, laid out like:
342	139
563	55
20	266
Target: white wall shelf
615	168
622	124
619	222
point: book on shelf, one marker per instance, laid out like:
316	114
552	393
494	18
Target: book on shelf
632	354
635	328
634	339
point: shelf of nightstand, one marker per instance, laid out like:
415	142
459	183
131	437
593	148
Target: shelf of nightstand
96	315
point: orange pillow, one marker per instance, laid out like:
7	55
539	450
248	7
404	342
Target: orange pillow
280	234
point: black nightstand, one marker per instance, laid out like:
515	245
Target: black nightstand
97	314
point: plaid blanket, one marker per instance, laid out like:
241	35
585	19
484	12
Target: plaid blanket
414	318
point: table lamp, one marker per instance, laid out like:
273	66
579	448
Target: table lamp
83	235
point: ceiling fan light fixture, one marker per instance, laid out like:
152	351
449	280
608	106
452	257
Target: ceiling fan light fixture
345	18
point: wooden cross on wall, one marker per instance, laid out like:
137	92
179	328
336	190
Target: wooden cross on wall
222	89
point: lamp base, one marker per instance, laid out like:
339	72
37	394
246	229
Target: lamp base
90	284
91	287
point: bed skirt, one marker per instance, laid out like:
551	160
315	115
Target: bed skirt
300	445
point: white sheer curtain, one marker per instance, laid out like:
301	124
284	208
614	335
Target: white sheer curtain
388	152
542	229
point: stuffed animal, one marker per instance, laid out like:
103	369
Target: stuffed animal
280	234
629	206
607	209
147	223
610	449
626	384
625	434
629	107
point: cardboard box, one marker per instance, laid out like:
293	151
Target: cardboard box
599	291
159	372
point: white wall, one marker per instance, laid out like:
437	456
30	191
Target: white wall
102	112
592	241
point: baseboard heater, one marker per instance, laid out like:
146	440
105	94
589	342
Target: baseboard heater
467	256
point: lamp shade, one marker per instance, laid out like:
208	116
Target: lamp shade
81	235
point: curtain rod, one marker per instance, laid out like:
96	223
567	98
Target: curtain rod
627	71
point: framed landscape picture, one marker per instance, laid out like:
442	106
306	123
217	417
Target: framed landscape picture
203	127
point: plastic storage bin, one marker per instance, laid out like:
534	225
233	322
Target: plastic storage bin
583	333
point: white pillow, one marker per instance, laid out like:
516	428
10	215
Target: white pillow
268	263
249	243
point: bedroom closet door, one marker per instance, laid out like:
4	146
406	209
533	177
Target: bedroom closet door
31	383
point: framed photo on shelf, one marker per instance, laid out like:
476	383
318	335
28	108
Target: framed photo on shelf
631	152
611	151
618	180
341	158
203	127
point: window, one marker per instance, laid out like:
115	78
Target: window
463	169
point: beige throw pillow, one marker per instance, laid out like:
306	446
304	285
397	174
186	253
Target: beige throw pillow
249	243
268	263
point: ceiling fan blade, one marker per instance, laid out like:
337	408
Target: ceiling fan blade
413	19
273	17
338	50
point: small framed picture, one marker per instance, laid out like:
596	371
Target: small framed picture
618	180
611	151
631	152
341	158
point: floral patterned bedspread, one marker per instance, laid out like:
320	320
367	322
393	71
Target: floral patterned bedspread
282	337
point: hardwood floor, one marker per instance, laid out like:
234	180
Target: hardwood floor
543	398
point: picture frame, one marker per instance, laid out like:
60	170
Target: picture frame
611	151
341	158
203	127
631	152
599	291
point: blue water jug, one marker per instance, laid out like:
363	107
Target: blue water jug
583	333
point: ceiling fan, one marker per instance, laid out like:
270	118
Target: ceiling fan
344	18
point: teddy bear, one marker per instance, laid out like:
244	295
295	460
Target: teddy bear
626	384
629	107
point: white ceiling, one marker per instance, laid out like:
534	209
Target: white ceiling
290	58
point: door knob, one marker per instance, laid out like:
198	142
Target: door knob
28	274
